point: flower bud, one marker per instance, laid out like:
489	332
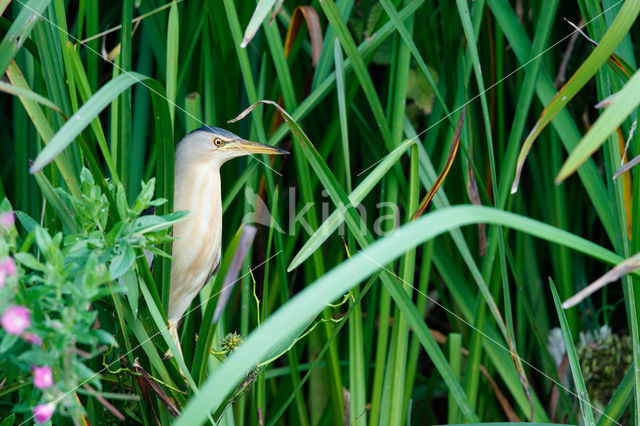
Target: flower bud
8	265
42	377
43	412
32	338
15	320
7	219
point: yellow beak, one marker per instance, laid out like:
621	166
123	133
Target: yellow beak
248	147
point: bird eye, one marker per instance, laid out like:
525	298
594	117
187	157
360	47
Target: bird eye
218	142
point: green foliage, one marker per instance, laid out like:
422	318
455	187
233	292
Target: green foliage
60	277
369	125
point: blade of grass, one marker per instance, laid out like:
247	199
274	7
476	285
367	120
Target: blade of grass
122	138
421	304
173	44
28	94
43	127
578	378
402	30
392	404
53	198
63	36
619	401
165	171
562	123
20	30
624	104
337	281
318	360
342	110
259	15
618	29
365	238
397	412
359	67
193	114
455	359
85	93
280	62
84	117
452	155
3	6
463	10
359	193
312	20
325	61
164	331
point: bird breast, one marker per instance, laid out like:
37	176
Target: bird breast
197	243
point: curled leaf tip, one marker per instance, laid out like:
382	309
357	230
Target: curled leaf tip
516	181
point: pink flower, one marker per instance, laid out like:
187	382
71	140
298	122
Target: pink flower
32	338
42	377
43	412
7	219
8	265
15	319
3	277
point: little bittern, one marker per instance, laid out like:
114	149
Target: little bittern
198	240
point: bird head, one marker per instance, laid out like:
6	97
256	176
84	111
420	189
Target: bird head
214	145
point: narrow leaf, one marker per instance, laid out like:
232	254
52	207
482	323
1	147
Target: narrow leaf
28	94
578	378
259	15
618	271
625	102
84	117
20	29
339	280
315	31
173	38
358	194
452	155
616	32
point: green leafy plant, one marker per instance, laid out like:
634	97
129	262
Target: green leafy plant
51	331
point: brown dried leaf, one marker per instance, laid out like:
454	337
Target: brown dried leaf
104	402
315	31
618	271
146	381
452	155
295	129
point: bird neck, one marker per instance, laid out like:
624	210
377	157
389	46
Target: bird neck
197	189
